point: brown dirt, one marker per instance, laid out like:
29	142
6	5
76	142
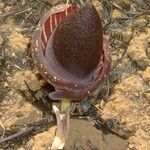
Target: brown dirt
84	135
124	108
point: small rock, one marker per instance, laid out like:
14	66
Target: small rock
115	106
130	117
117	14
2	5
131	146
79	137
137	52
102	104
132	87
33	82
30	117
6	84
126	35
17	41
98	5
42	141
7	8
19	78
138	23
114	60
146	75
140	72
19	112
140	140
23	2
39	95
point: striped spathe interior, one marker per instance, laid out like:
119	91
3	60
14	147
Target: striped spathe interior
52	22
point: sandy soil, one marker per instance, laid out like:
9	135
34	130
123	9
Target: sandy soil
119	118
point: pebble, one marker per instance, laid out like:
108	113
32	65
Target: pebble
98	5
138	23
117	14
126	35
33	83
146	74
2	5
32	116
39	95
114	60
7	9
137	52
131	87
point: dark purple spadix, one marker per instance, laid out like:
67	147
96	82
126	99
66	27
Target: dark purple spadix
70	52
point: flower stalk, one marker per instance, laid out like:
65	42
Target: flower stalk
65	103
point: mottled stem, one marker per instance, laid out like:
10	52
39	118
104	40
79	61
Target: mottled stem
64	104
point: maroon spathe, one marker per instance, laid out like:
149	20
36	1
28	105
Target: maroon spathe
70	52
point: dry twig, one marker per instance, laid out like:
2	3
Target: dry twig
11	137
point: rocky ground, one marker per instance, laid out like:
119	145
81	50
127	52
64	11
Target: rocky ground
26	120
